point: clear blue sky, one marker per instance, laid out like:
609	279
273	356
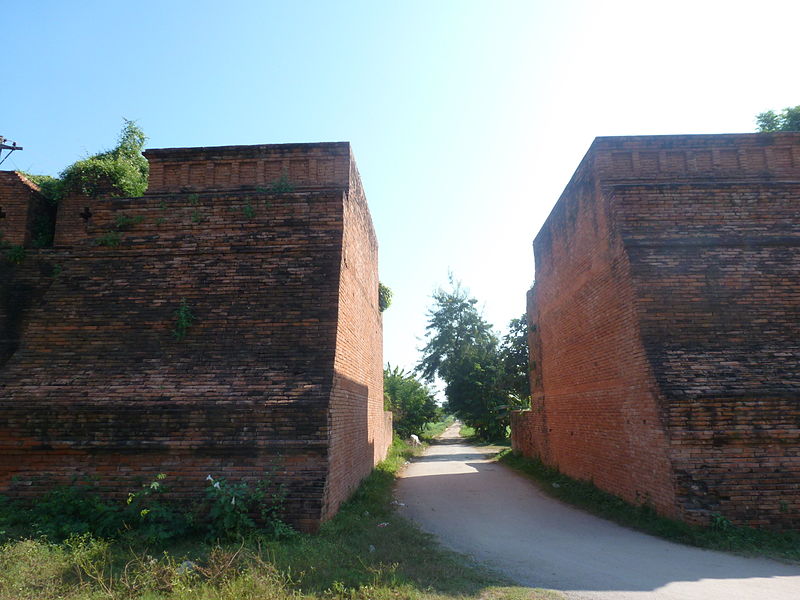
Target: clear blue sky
467	118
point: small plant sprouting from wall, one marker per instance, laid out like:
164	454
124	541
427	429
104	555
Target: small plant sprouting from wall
282	185
183	320
110	239
384	297
248	211
15	254
124	221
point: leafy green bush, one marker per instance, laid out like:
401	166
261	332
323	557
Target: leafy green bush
412	404
786	120
121	171
224	511
153	520
50	187
384	297
232	507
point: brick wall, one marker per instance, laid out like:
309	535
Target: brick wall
685	276
594	410
20	207
306	166
99	385
360	429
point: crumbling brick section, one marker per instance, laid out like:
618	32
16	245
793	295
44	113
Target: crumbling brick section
280	276
666	326
22	209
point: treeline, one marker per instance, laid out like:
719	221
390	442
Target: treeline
486	375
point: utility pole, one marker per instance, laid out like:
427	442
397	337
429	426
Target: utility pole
6	144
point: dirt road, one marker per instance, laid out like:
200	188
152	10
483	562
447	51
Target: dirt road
486	510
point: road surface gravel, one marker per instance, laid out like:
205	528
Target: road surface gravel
484	509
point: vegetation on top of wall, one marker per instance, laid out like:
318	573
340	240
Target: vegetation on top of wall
786	120
121	171
50	187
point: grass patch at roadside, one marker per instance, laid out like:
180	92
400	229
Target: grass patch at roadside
434	430
366	552
721	535
471	435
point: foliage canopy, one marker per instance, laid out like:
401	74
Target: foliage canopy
411	402
384	296
485	377
121	171
787	120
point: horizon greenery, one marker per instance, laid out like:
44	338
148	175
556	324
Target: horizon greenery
486	377
786	120
412	404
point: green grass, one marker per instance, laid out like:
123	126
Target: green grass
366	552
722	535
433	430
470	434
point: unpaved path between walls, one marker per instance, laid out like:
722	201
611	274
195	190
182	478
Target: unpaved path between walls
488	511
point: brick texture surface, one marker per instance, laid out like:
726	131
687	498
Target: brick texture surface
94	381
666	317
20	207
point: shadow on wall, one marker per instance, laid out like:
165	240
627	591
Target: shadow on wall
358	439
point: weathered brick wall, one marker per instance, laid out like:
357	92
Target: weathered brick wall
20	206
360	430
717	271
22	289
705	242
594	410
99	385
321	166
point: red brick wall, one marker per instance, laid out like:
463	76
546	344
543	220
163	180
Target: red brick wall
325	166
686	277
594	411
20	204
717	271
360	429
98	384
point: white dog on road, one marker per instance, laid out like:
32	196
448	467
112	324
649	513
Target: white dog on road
415	440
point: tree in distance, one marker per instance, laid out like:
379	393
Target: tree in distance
786	120
485	378
412	403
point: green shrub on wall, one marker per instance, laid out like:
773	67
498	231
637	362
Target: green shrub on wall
384	297
121	171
